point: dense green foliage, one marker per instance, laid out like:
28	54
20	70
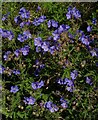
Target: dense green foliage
83	101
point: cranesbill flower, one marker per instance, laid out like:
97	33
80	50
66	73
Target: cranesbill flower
73	12
17	52
16	72
74	74
22	24
89	28
76	13
71	36
17	20
84	39
22	37
50	38
28	34
51	107
6	34
25	50
1	69
36	72
6	55
29	100
42	18
37	85
70	88
28	22
38	21
24	13
68	15
94	21
69	85
38	8
88	80
38	41
14	89
10	35
52	49
52	23
64	103
3	33
39	64
45	46
49	23
61	81
63	28
56	37
38	49
93	53
5	16
69	82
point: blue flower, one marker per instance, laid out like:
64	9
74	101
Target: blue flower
76	13
88	80
14	89
68	15
61	81
38	49
73	12
29	100
6	34
52	23
23	37
49	23
45	46
56	37
84	39
36	72
70	88
6	55
25	50
24	13
38	8
22	24
52	49
94	21
17	52
37	85
38	21
1	69
74	74
93	53
28	34
89	29
38	41
69	82
64	103
17	19
5	16
16	72
28	22
63	28
10	35
51	107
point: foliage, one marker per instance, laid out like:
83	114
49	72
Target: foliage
48	69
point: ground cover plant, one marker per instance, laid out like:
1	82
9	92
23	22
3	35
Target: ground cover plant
49	62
